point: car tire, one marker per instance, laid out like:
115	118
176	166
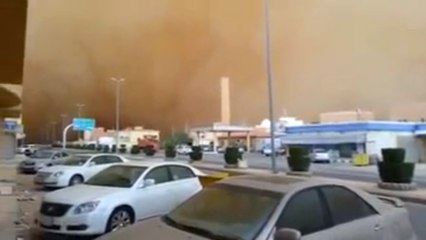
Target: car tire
75	180
121	217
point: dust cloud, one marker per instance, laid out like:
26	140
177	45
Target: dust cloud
328	55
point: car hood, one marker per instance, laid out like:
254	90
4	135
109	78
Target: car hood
152	229
81	193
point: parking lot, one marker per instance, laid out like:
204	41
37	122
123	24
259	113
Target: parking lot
29	198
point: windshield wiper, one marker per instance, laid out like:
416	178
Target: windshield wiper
201	231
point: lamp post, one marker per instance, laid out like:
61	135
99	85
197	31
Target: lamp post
118	82
80	107
270	84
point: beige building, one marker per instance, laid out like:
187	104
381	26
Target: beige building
128	136
346	116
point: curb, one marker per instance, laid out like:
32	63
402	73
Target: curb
381	192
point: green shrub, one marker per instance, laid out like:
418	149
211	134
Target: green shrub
105	149
149	150
299	159
232	155
393	155
170	150
196	153
135	149
396	172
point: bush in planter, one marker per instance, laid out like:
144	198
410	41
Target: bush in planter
105	149
99	148
196	154
232	155
299	159
135	149
149	150
122	148
393	169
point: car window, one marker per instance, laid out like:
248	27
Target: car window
64	154
160	175
304	212
113	159
181	172
100	160
345	205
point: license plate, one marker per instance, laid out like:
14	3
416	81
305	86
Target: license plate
46	221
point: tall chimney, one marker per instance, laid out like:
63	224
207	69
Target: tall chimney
225	106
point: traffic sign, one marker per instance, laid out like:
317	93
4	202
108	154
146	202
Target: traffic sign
83	124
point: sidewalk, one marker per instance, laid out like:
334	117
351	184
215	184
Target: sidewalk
8	204
416	196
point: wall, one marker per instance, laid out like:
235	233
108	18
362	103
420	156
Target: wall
327	55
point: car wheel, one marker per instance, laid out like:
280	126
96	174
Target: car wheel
75	180
120	218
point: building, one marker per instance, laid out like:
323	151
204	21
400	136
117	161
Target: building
362	137
128	136
12	29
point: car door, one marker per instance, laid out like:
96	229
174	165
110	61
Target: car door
185	183
95	165
352	217
158	199
305	212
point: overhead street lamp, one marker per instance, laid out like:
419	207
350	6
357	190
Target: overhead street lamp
118	82
270	84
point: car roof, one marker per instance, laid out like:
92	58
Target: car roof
274	183
96	154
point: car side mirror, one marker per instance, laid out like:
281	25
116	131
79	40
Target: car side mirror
147	183
91	164
287	234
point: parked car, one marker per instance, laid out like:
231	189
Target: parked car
277	208
321	155
267	151
118	196
22	149
183	149
76	170
42	158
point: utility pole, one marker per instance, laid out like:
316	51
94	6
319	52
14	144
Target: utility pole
270	84
53	131
118	82
80	107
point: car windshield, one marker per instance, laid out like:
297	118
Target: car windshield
117	176
42	154
76	161
225	212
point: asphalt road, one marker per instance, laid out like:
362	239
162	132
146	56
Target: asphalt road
341	171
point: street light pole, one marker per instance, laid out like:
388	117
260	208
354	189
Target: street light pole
270	84
118	82
80	107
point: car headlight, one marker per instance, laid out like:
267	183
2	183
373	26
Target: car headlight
58	174
86	207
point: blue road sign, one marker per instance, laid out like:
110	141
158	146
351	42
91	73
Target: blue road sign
83	124
10	126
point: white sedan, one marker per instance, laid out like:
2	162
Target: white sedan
117	197
76	170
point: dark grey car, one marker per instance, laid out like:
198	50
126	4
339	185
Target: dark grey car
42	158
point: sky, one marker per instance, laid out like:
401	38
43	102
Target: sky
327	55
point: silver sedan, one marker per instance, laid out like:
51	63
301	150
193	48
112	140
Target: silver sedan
278	208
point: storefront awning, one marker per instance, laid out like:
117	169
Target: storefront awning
323	138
